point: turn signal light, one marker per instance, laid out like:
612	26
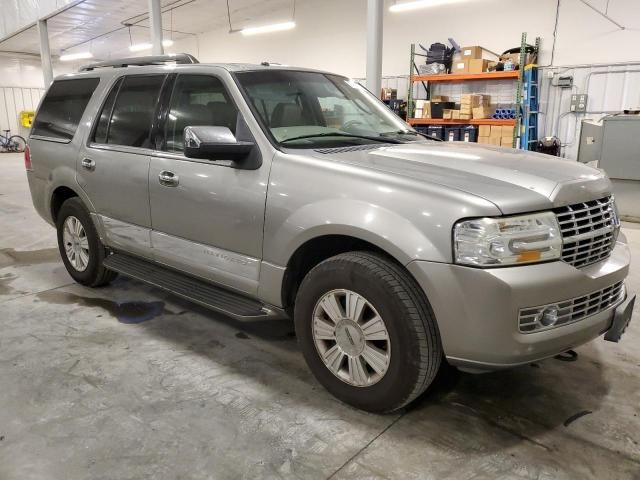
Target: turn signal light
27	158
529	256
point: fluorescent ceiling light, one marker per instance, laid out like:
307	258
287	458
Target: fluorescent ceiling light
276	27
68	57
138	47
406	6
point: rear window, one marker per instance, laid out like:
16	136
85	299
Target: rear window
62	108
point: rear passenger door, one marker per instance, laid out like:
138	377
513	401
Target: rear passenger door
208	220
114	165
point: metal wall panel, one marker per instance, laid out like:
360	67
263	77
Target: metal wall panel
611	89
12	101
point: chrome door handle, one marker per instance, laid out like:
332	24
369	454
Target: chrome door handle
168	179
88	164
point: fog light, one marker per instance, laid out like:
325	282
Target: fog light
549	316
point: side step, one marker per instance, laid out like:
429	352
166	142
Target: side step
200	292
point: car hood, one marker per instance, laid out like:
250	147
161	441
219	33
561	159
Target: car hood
514	180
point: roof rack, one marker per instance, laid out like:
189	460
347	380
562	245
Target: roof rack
179	58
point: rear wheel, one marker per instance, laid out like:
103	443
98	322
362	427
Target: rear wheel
16	144
366	331
79	244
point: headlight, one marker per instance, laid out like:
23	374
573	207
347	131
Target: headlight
491	242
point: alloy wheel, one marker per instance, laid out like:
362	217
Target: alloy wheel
76	243
351	338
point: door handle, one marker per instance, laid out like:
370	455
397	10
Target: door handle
168	179
88	164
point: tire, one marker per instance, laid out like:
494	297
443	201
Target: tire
16	144
93	274
411	345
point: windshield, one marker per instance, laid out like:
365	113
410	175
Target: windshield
310	110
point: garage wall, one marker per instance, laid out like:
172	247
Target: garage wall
331	34
21	87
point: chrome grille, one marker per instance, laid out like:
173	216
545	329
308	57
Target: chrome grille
588	231
572	310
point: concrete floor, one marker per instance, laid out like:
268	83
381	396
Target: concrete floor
127	382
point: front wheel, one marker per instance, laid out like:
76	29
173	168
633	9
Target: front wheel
367	332
16	144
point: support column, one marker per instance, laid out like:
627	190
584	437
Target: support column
375	10
45	53
155	16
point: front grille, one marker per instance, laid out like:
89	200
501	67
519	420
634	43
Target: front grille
572	310
588	231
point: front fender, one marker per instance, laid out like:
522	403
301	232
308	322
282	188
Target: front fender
375	224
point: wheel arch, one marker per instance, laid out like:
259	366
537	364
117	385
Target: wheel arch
59	195
321	247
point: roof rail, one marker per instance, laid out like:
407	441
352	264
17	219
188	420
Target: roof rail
180	58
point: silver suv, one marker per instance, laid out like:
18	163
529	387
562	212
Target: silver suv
261	191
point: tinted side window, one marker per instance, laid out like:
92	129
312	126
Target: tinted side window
102	129
63	107
134	110
198	100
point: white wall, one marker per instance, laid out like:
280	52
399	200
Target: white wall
21	86
330	34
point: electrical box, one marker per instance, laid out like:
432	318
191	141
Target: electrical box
578	102
565	81
26	118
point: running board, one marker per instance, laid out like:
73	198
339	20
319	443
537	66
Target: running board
198	291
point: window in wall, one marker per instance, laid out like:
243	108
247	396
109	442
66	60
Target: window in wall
134	110
63	106
197	100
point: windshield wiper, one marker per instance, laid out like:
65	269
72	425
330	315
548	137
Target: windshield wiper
411	132
338	134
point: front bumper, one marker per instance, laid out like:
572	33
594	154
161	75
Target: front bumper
477	309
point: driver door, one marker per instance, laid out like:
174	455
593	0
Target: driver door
207	216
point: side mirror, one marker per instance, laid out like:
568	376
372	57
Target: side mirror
214	143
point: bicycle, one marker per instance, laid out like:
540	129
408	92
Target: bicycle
12	143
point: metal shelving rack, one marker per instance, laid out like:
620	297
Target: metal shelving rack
524	113
527	101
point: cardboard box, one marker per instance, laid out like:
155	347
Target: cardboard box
496	132
475	100
471	52
426	109
515	58
507	130
478	65
388	94
494	140
455	114
447	114
439	98
465	116
460	66
506	141
417	113
481	112
484	130
466	109
484	139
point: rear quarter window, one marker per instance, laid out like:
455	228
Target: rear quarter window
62	108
